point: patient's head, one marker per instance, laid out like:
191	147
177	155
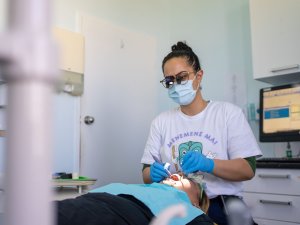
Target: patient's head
193	189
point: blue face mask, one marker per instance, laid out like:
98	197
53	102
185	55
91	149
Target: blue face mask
183	94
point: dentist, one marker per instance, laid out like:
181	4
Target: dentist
206	138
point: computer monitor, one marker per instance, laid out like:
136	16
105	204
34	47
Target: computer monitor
279	113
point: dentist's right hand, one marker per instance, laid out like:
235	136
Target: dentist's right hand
157	172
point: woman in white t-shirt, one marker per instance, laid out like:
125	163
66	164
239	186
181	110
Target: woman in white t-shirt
202	138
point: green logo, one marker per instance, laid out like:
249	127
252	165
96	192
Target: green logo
186	147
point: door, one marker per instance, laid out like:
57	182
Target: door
120	91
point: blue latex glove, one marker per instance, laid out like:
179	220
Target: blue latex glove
157	172
196	161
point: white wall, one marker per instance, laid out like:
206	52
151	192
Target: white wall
218	31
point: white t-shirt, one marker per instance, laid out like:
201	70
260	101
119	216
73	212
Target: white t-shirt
220	131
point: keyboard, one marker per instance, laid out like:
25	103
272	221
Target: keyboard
279	160
280	163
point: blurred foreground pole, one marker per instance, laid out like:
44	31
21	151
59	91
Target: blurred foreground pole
29	65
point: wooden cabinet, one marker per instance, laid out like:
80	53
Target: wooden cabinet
71	45
275	36
274	196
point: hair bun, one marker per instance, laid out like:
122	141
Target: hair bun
181	46
181	49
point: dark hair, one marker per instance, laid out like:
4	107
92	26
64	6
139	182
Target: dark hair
181	49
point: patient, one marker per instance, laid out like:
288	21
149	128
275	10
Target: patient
135	203
194	190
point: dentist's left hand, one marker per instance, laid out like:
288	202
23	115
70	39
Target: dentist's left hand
157	172
196	161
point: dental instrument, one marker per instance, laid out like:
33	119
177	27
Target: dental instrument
166	167
155	158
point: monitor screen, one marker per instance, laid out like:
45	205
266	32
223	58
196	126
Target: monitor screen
279	113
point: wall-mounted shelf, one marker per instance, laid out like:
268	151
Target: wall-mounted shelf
80	183
71	61
71	48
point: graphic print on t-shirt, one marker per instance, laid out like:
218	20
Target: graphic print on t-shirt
176	145
183	148
186	147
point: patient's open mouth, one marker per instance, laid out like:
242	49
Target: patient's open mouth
175	177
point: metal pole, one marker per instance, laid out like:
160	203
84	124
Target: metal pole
29	57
